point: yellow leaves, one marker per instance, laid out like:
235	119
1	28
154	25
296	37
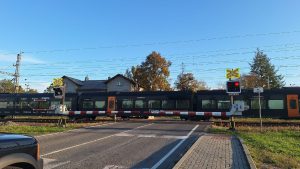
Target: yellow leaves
56	82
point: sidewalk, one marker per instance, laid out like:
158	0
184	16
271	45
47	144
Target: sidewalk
215	151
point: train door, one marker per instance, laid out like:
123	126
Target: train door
293	106
111	106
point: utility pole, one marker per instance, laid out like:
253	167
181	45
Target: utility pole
17	73
182	68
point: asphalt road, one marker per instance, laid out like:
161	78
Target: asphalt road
138	144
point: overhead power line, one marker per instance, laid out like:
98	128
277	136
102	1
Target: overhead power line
161	43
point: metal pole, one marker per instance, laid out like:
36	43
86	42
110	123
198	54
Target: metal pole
259	111
232	123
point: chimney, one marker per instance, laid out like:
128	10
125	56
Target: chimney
86	78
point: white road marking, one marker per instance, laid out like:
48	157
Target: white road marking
113	167
124	135
53	163
51	134
173	149
67	148
151	136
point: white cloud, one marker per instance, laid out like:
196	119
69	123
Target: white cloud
40	87
25	58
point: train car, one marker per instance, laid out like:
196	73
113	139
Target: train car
136	104
33	104
275	103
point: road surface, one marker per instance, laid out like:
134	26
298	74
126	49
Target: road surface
137	144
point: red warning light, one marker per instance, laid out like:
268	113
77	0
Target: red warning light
236	84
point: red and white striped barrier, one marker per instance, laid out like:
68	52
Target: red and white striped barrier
150	113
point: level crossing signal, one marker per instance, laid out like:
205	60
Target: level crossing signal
58	92
233	87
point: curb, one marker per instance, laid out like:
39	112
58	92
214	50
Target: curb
179	163
247	153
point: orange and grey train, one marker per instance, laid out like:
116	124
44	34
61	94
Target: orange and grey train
275	103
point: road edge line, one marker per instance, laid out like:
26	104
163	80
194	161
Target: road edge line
173	149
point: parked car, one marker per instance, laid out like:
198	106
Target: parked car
19	152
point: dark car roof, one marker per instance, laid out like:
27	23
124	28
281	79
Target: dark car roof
13	140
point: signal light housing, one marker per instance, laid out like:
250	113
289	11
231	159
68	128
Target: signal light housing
58	92
233	87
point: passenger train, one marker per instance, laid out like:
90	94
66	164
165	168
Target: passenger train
276	103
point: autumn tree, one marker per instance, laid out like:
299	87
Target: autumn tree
56	82
263	73
152	74
187	82
7	86
249	81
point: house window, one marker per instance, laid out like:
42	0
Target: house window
119	83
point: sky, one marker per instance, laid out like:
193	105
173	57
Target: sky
103	38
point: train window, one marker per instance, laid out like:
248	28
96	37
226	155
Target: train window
56	102
127	104
99	104
154	104
140	104
3	104
208	104
293	104
44	105
68	105
223	104
24	105
241	101
9	104
168	104
275	104
182	104
34	105
255	105
87	104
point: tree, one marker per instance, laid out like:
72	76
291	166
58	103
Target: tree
32	91
264	72
187	82
249	81
56	82
7	86
152	74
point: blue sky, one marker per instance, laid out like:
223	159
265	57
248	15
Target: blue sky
103	38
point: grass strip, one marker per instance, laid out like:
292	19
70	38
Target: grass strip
275	147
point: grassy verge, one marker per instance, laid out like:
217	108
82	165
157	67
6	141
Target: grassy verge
275	147
33	129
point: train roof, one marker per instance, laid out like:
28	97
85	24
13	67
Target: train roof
284	90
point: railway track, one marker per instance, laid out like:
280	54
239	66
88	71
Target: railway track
87	120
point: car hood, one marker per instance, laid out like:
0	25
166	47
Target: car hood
13	140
